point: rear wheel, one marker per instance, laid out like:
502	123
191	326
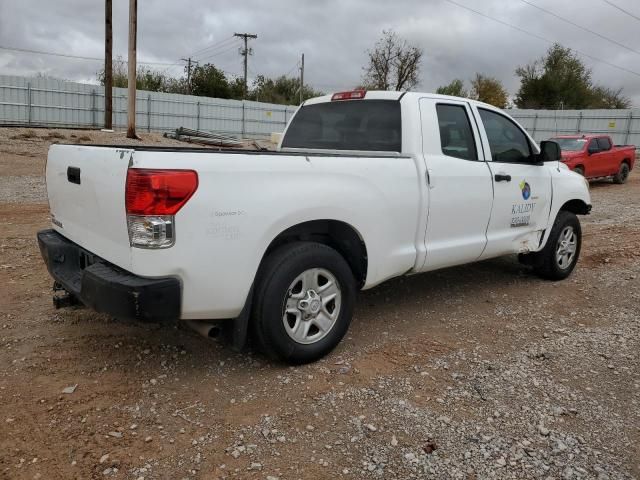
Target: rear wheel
304	302
558	258
622	175
579	170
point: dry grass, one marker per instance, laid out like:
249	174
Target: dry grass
53	134
24	135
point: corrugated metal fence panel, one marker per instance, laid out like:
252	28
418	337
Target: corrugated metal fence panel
622	125
14	98
57	103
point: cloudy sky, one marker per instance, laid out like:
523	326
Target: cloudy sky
333	34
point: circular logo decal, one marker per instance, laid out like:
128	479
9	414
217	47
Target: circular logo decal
526	190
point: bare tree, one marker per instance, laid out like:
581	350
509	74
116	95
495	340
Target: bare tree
393	64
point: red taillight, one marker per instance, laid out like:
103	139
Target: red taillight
158	192
352	95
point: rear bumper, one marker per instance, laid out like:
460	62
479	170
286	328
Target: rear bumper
106	288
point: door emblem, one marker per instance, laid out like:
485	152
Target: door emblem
526	190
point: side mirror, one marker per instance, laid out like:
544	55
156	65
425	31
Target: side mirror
549	151
593	150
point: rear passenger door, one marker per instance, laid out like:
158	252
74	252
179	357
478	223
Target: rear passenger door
459	184
601	161
521	188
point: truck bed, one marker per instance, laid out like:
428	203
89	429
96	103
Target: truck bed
244	199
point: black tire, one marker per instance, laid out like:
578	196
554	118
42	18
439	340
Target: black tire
622	175
545	262
579	170
276	275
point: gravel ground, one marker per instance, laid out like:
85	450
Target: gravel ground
477	372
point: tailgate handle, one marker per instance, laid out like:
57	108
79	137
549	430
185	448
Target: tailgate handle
73	175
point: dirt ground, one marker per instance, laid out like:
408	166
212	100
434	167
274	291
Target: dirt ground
482	371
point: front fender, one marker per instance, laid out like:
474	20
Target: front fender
570	191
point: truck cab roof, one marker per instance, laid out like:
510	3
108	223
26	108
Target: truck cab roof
390	95
584	136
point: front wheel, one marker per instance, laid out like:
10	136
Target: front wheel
304	302
622	175
558	258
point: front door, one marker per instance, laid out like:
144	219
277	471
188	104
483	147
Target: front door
521	188
599	159
459	184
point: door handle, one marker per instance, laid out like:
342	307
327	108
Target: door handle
501	177
429	175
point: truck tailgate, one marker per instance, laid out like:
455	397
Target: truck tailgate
86	190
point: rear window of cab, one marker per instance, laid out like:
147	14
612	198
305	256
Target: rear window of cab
361	125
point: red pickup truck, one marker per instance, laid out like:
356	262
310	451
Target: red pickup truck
595	156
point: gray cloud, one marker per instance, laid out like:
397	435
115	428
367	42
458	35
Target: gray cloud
333	34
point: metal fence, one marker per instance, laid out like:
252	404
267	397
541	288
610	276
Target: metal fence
55	103
622	125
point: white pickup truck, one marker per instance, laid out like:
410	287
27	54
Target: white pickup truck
365	186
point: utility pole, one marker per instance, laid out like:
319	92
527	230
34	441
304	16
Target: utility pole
245	53
188	60
131	109
302	80
108	65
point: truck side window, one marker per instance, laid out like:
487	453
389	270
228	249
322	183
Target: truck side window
456	135
604	144
507	141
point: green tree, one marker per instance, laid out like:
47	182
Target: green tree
176	85
284	90
236	86
455	88
489	90
561	79
146	78
393	64
209	81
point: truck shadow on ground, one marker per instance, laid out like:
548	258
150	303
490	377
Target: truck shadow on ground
415	300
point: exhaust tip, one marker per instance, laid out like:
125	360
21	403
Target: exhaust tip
208	329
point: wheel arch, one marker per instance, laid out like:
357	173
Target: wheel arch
336	234
577	206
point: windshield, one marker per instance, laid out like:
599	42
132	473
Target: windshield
369	125
570	144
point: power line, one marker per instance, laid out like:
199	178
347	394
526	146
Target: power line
566	20
193	54
218	53
213	45
539	37
297	65
622	9
76	57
